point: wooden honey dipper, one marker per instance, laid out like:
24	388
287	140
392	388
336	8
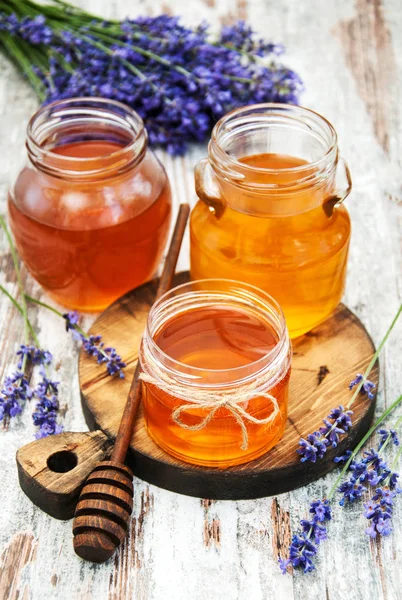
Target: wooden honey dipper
105	504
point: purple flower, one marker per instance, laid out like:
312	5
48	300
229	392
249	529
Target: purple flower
368	387
173	76
336	424
94	346
36	356
45	414
385	435
371	470
72	319
351	491
305	545
379	511
314	447
14	394
343	457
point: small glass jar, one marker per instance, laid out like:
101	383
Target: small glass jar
90	210
215	359
270	209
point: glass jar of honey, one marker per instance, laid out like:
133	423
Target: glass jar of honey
215	359
90	210
270	209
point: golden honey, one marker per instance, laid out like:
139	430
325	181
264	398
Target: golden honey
215	336
271	219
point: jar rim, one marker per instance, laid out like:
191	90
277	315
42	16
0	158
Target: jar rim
279	109
125	117
256	365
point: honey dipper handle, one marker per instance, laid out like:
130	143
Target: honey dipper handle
127	422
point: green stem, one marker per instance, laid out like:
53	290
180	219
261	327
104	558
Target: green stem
374	359
55	311
397	457
19	308
58	313
361	444
19	57
19	280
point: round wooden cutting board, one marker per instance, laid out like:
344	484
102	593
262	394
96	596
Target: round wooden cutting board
324	362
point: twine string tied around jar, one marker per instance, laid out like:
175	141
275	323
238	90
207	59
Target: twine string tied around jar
213	400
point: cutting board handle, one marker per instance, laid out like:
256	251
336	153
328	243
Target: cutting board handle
53	470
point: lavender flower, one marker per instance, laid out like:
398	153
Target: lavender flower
35	355
379	512
385	434
16	388
94	346
371	471
305	544
45	415
343	457
14	394
336	424
176	78
368	386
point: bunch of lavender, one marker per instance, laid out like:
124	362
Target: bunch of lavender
370	471
338	422
178	79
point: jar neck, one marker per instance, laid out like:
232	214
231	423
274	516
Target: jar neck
220	294
273	129
81	120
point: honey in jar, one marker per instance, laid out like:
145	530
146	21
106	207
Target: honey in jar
90	211
216	364
270	210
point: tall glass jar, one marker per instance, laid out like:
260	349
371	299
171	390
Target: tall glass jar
270	209
215	359
90	210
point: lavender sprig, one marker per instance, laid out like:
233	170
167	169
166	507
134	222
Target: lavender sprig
178	79
91	344
338	422
315	446
379	509
304	546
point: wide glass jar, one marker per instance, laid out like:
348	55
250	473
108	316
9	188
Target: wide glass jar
270	209
215	359
91	208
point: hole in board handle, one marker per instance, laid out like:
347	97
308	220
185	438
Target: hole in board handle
62	461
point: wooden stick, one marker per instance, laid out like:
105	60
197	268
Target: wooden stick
104	507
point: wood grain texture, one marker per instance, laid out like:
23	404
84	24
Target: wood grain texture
166	555
52	470
321	371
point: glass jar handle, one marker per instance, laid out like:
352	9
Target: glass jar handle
207	189
344	189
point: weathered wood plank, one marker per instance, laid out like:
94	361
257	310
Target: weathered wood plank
350	55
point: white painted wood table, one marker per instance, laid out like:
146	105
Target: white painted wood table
349	54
